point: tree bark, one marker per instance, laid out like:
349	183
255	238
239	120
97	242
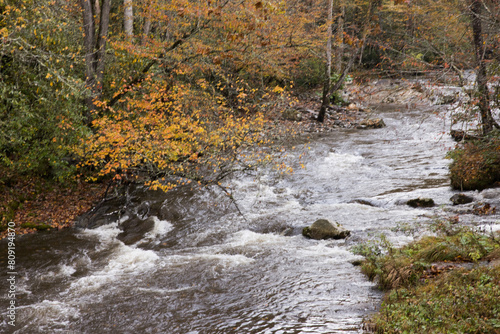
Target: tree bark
487	121
328	72
366	27
146	28
128	21
340	39
97	8
95	49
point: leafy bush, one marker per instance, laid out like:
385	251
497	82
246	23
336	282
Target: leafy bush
309	73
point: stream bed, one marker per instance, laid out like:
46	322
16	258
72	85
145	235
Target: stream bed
201	267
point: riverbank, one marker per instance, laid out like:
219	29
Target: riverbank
37	204
445	283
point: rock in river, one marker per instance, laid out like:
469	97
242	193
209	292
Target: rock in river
421	203
323	229
458	199
371	124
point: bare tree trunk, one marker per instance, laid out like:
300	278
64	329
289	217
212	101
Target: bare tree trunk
97	8
326	86
101	43
95	49
487	121
128	22
340	39
366	27
146	28
89	37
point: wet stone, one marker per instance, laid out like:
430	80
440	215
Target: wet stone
421	203
371	124
459	199
135	229
323	229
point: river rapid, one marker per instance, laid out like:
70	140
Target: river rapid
201	267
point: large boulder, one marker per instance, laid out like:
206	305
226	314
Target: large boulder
323	229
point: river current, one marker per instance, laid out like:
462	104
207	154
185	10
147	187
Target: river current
204	268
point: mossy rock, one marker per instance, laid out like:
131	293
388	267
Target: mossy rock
292	115
459	199
323	229
421	203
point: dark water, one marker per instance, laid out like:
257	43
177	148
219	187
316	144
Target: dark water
203	268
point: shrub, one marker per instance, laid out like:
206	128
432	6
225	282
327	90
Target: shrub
310	72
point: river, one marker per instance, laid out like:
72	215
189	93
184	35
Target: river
204	268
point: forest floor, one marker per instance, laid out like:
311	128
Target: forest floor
35	203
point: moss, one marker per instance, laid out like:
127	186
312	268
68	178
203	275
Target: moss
476	164
461	301
306	232
39	227
427	294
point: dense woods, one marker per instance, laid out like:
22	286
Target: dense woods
149	90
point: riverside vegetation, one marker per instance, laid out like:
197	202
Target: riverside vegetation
446	283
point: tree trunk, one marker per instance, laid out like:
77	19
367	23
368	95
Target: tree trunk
487	121
97	8
95	50
128	21
366	27
328	72
340	39
88	43
146	28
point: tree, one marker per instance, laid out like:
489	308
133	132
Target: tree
357	50
328	73
487	121
96	30
40	86
128	21
188	101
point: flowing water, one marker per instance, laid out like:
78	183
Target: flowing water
203	268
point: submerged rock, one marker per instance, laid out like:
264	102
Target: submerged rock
421	203
134	230
371	124
323	229
458	199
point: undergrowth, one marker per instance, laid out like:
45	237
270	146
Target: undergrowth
448	283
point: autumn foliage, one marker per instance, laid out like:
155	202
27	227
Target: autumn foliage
162	92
